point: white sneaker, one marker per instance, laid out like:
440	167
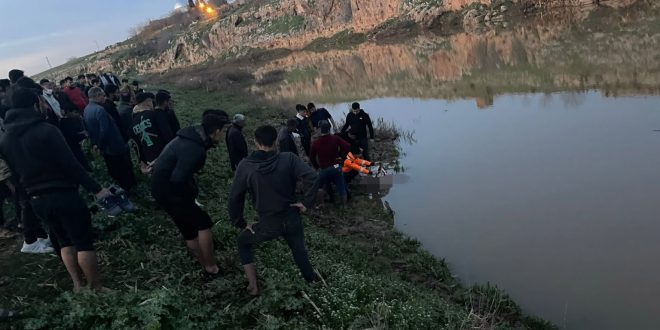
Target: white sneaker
36	247
45	241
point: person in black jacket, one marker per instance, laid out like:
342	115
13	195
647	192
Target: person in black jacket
4	87
359	122
73	130
285	137
39	157
271	179
147	130
167	120
305	128
175	190
112	96
236	145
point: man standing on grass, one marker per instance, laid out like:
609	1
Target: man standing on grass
285	137
236	145
174	187
166	117
74	93
38	155
359	122
105	134
271	179
305	128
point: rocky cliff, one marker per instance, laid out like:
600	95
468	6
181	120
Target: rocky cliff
183	40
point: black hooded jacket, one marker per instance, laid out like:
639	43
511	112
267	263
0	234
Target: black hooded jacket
270	178
38	155
236	145
173	176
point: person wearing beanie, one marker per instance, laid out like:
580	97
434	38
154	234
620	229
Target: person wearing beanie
326	156
105	134
49	174
236	144
74	93
166	117
271	179
174	188
305	128
146	130
359	121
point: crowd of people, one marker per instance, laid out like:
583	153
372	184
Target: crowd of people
43	164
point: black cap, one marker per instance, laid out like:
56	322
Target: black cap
43	81
141	97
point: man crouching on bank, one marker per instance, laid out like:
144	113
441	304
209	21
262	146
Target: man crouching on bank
271	178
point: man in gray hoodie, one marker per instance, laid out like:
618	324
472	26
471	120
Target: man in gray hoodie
271	179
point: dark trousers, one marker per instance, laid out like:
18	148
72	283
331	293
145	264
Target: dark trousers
289	227
306	143
6	194
120	169
32	226
330	175
363	143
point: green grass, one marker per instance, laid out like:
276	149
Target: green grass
286	24
376	278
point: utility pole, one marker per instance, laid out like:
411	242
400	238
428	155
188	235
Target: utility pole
48	61
98	49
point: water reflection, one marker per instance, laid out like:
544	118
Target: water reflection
616	53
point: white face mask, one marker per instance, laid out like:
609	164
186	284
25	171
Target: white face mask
48	91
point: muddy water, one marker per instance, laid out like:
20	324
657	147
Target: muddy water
536	166
553	198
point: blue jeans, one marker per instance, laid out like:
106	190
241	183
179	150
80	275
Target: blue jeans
333	175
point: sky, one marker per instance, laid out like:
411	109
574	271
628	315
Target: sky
36	29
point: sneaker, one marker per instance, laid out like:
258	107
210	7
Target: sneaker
45	241
122	199
36	247
110	205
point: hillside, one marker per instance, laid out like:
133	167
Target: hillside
186	39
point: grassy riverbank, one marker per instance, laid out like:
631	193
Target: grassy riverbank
376	278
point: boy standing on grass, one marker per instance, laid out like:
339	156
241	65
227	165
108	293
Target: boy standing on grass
45	167
271	179
174	187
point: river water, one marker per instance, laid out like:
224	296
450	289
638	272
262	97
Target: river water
535	165
555	202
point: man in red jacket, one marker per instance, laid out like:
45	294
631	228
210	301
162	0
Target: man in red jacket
74	93
326	156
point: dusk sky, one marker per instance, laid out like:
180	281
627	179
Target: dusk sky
34	29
